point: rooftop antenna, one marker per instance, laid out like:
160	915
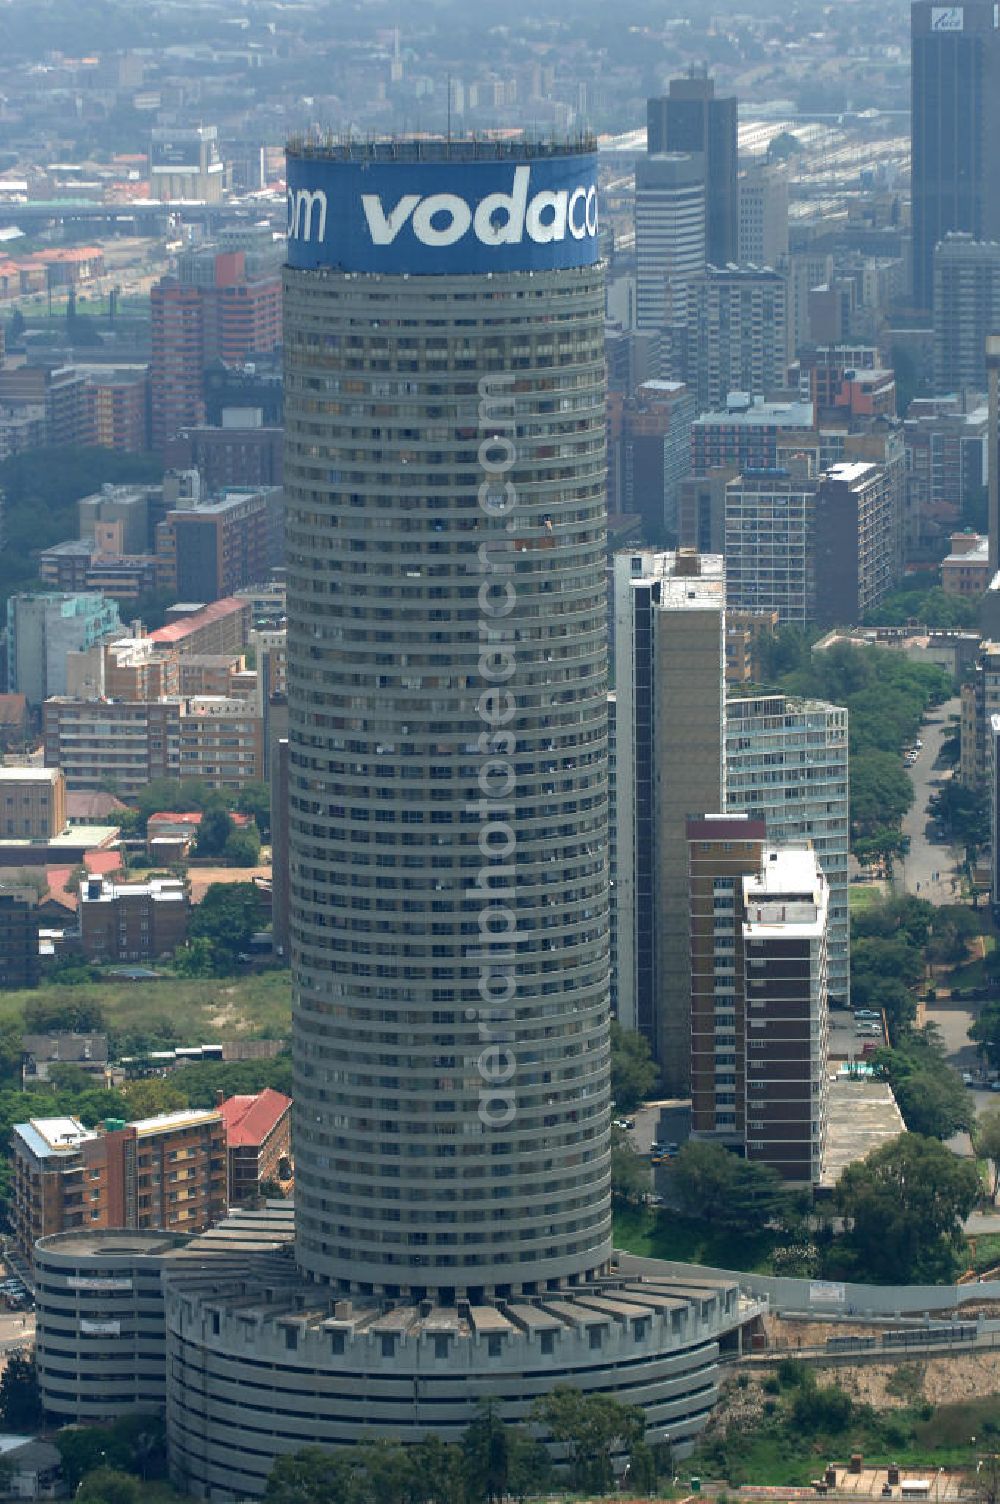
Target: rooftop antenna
449	115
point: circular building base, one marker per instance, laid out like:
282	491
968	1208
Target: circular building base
262	1362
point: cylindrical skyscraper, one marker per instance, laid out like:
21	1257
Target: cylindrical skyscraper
447	842
444	485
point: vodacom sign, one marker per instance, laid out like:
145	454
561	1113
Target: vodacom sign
426	217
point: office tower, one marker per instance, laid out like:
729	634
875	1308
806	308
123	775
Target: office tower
769	543
966	310
613	846
656	437
691	119
721	851
856	541
955	124
669	240
207	549
736	335
447	828
785	919
763	227
670	687
787	764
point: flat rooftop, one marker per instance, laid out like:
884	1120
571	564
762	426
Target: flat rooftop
863	1115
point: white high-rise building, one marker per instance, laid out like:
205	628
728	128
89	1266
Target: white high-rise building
669	236
787	762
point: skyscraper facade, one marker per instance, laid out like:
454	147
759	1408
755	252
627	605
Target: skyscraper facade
691	118
447	834
955	115
669	240
670	663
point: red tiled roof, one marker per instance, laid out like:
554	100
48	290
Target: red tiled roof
249	1120
102	863
57	878
84	806
176	631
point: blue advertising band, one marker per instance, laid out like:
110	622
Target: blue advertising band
436	218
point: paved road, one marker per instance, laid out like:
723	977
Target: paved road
931	867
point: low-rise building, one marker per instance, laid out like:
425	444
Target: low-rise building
966	569
132	921
32	804
258	1141
40	1052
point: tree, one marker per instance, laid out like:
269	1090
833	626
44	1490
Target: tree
629	1174
485	1452
963	812
633	1071
711	1183
588	1429
214	831
195	959
309	1476
903	1206
69	1015
20	1400
986	1137
529	1468
242	848
144	1099
228	916
438	1472
933	1103
106	1485
254	798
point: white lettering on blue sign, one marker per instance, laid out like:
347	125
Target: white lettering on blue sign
442	219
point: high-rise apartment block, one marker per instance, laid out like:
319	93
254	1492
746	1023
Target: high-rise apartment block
966	310
785	922
43	629
815	547
736	334
691	118
419	1195
748	433
946	442
212	548
760	1027
787	764
656	442
195	322
670	691
955	124
19	960
162	1172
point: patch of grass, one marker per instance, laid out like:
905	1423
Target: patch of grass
972	974
192	1009
655	1234
987	1254
862	896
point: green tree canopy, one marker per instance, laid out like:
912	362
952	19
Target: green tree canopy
214	831
106	1485
903	1208
986	1138
228	916
589	1429
633	1070
20	1400
712	1183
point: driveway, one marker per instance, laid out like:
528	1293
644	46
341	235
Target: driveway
931	867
